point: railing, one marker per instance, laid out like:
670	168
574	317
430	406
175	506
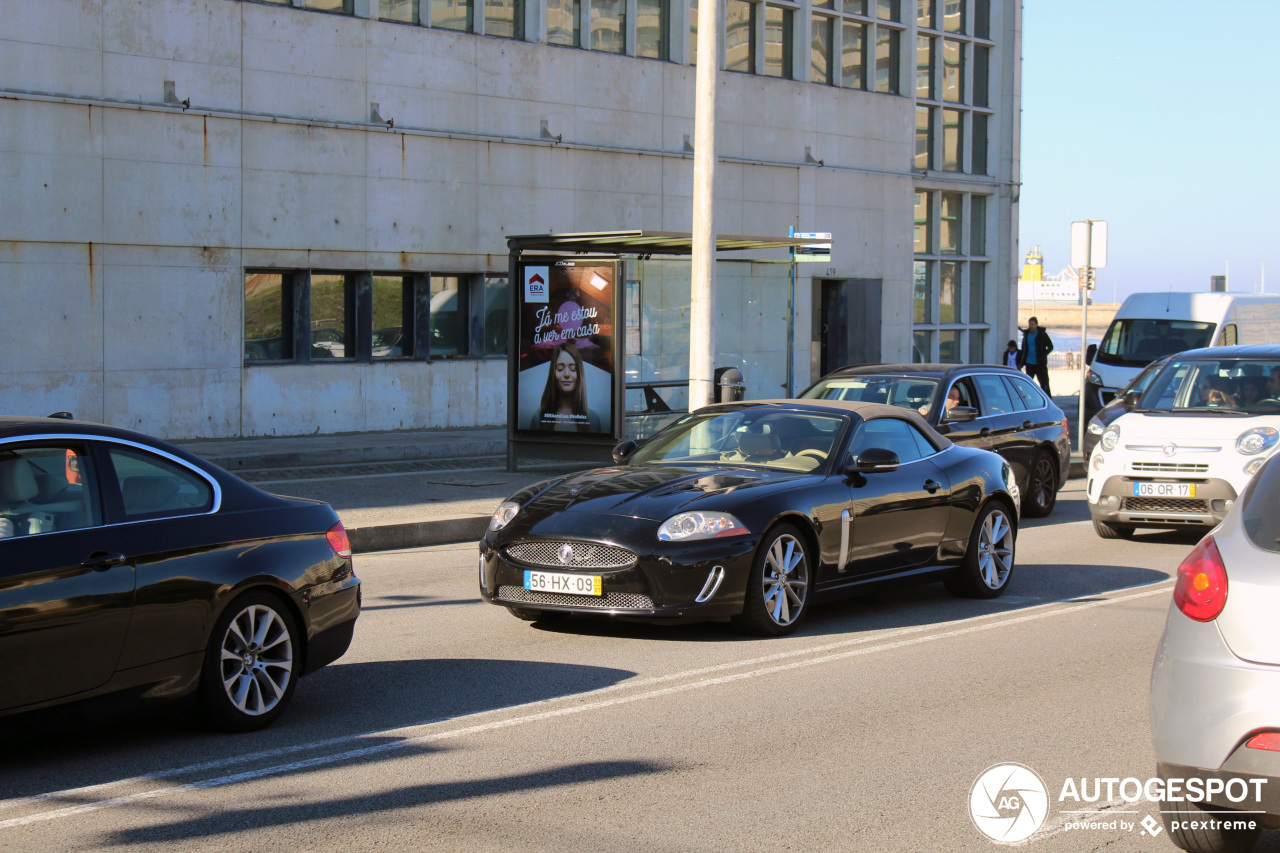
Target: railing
657	411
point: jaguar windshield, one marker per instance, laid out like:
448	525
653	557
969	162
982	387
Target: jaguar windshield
791	440
1215	385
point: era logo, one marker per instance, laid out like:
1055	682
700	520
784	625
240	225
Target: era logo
535	285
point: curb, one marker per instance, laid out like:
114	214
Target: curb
413	534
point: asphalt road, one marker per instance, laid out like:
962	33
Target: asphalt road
450	725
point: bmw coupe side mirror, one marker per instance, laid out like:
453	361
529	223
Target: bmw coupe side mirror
623	450
961	414
873	460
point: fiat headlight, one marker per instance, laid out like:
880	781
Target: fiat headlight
1097	462
688	526
1254	466
1257	440
1096	429
503	514
1110	438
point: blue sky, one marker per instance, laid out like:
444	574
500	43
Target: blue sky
1159	116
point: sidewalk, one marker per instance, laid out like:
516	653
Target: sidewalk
409	488
390	489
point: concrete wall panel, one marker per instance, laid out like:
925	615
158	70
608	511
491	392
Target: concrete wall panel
57	298
44	392
185	403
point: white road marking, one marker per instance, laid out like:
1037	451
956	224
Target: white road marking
431	737
1058	825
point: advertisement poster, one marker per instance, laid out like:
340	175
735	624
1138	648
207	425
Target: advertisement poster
566	368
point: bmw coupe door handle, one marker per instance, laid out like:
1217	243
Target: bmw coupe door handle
932	486
1026	424
100	561
985	431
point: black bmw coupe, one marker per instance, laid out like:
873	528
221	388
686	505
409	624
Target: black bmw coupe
755	511
130	568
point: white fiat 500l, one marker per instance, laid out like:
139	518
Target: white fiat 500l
1191	443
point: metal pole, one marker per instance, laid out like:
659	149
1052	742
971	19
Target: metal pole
1084	328
791	321
702	304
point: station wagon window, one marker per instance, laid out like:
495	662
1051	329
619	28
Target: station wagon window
47	489
995	394
1032	399
153	487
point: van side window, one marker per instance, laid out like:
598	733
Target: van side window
1227	337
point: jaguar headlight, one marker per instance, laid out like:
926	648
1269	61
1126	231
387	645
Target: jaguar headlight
1257	440
1110	438
503	514
688	526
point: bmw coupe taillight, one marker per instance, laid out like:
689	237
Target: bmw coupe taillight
1201	589
337	536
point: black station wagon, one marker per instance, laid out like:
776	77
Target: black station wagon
978	405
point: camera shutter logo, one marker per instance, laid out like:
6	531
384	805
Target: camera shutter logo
1008	803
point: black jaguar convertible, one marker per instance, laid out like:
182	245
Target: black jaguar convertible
754	511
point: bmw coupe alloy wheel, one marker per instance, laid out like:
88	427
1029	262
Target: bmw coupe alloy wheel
995	549
256	660
786	580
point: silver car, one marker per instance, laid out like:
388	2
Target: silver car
1215	686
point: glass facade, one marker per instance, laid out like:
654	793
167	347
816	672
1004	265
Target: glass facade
651	27
332	329
777	41
609	25
950	275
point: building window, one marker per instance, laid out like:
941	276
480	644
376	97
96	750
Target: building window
888	10
777	41
924	226
452	15
981	18
448	316
950	223
344	7
405	11
609	25
922	300
921	346
952	71
887	60
820	69
332	317
564	22
949	346
953	16
495	304
955	269
949	293
924	138
952	140
740	36
924	14
924	66
504	18
651	28
979	164
981	72
393	313
853	61
268	316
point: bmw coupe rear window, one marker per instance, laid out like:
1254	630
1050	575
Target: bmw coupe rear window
906	392
790	440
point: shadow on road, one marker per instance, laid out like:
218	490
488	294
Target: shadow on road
83	745
381	802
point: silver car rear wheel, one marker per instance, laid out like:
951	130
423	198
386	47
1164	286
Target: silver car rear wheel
256	660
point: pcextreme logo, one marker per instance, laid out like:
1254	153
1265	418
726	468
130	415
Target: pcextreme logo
1008	803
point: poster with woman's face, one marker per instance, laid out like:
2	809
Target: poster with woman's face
566	370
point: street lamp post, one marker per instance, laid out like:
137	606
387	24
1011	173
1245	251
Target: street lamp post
702	304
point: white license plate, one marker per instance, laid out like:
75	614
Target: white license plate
1164	490
558	582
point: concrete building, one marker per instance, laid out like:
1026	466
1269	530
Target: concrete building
241	217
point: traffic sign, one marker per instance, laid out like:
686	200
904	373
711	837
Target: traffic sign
813	252
1089	243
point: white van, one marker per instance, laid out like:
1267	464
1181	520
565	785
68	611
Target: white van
1152	325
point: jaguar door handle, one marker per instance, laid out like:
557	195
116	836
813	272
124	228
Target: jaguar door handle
932	486
100	561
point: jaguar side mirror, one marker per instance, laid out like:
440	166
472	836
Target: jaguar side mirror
623	450
873	460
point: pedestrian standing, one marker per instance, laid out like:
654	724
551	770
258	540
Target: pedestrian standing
1012	357
1036	346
